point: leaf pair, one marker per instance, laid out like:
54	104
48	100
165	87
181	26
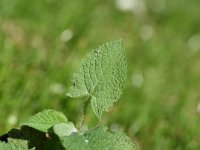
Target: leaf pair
51	130
98	138
101	76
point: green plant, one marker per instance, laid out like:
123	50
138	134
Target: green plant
101	79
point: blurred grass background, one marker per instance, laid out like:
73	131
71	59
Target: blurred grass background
43	41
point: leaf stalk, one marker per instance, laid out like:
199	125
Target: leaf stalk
82	113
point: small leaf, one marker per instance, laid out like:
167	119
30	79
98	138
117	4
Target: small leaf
64	129
98	139
23	144
101	76
14	144
46	119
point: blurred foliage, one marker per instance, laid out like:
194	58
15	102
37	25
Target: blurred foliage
43	41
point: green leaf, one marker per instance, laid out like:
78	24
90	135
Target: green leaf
14	144
36	139
45	120
98	139
75	142
101	76
7	146
64	129
20	144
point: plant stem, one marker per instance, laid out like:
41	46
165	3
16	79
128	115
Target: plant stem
82	113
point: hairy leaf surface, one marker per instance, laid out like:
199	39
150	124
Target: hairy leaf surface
46	119
98	139
101	76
